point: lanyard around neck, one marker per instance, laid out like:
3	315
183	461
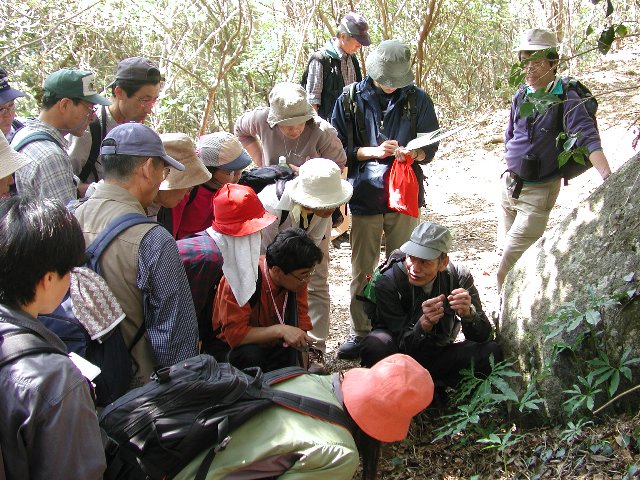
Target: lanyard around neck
273	300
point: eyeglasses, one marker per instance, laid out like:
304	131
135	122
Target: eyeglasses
147	101
91	108
8	109
304	277
165	172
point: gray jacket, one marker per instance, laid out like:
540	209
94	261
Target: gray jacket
49	429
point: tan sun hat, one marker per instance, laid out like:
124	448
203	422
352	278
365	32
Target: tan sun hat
288	105
10	160
181	147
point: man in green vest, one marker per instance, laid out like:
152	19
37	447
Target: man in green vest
335	65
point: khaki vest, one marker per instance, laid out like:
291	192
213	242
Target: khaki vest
119	264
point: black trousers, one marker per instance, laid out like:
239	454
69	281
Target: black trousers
268	359
444	363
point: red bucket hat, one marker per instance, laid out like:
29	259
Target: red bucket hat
383	399
237	211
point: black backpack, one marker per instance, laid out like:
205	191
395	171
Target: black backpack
260	177
191	407
330	89
571	169
111	354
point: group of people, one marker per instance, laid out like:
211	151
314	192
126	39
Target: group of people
243	276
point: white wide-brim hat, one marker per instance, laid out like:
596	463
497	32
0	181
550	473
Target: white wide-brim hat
10	160
319	186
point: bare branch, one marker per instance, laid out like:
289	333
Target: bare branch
57	24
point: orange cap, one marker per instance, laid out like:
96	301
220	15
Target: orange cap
383	399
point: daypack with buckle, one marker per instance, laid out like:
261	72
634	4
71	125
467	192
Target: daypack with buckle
194	406
110	353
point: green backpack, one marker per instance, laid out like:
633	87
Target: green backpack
368	295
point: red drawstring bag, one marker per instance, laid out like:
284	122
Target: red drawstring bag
403	188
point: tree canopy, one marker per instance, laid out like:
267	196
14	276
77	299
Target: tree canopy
221	57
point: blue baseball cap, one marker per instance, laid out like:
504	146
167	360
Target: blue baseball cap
6	92
136	139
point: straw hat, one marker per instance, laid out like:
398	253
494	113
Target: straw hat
383	399
318	185
180	147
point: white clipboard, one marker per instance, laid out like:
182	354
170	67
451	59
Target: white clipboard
424	139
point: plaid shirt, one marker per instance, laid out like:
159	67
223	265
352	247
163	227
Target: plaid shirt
314	79
170	318
49	175
202	262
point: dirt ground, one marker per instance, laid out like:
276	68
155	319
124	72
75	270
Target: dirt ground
463	185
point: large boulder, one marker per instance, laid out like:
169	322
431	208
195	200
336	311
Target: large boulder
596	246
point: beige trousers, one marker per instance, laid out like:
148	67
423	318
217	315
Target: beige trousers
523	220
319	303
366	234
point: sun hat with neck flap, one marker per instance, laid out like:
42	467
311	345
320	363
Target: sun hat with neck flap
319	186
288	105
390	64
383	399
180	147
237	211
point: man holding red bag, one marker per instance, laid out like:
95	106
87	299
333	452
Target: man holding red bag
386	110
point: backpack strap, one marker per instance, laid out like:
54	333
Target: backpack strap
98	131
112	230
35	137
23	343
281	183
413	111
308	406
351	115
192	195
102	241
356	67
17	125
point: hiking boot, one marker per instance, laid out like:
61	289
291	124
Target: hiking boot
350	349
316	362
341	241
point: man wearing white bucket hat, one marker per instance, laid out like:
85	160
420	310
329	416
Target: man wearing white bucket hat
308	202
